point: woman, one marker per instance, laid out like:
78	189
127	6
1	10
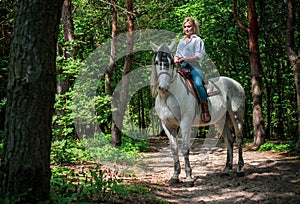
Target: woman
190	51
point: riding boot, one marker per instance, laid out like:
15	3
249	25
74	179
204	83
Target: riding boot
205	112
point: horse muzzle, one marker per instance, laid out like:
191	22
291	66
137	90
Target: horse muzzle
163	90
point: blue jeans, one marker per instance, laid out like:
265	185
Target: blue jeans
198	83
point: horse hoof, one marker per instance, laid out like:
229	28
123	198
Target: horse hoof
188	184
240	173
173	181
225	173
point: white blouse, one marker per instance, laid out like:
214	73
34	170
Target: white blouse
195	47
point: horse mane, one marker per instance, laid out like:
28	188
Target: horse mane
164	48
153	80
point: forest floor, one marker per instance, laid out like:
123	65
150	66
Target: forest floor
270	177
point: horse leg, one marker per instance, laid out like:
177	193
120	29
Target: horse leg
172	135
240	170
186	137
237	120
229	144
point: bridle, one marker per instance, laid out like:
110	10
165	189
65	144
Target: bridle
165	62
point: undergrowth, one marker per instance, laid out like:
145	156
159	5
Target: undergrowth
77	176
281	146
70	151
89	185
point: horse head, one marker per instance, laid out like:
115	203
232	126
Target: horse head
163	66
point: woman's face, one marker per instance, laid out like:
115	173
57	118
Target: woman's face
188	29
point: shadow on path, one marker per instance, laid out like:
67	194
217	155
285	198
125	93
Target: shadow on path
270	177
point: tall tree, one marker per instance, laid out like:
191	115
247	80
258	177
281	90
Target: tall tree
68	28
25	163
112	63
64	79
256	71
293	52
117	130
68	51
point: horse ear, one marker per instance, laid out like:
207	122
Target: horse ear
154	47
172	46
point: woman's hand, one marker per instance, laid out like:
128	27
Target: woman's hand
178	60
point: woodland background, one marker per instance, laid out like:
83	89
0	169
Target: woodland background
86	24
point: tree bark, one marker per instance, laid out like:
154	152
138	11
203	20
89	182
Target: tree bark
25	163
253	31
112	63
293	56
68	29
115	130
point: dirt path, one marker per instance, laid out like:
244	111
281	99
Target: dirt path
270	177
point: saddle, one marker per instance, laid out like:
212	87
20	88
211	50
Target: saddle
211	88
186	75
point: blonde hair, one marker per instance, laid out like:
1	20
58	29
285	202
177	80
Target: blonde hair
194	23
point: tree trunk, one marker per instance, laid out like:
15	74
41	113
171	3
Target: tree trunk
142	109
116	135
252	31
25	163
64	79
258	120
112	63
68	29
293	56
115	131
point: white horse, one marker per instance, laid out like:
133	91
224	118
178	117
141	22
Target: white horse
175	107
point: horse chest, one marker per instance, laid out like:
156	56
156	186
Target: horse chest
168	109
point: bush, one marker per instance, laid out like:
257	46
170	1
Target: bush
68	152
282	146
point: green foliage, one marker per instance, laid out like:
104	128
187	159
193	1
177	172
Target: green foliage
100	148
11	199
63	126
92	26
149	17
91	184
103	111
282	146
226	44
67	68
63	119
3	103
88	185
67	152
134	145
1	144
69	186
